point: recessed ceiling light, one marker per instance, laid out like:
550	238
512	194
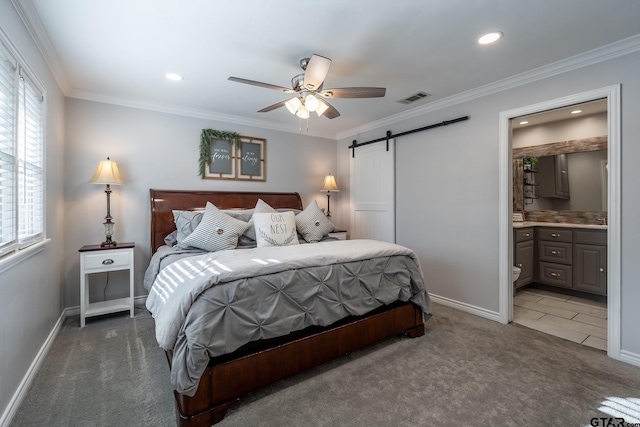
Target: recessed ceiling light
524	122
576	112
173	76
490	37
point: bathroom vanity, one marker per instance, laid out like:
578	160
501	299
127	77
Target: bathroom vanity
569	256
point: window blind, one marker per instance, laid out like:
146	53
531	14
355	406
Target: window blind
30	164
21	156
8	100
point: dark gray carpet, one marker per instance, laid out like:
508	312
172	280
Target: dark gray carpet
465	371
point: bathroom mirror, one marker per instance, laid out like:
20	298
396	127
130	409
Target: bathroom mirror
585	170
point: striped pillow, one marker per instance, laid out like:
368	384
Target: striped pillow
216	232
312	223
275	229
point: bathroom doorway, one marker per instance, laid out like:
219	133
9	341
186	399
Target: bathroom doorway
611	96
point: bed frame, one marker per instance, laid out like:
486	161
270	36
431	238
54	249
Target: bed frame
258	364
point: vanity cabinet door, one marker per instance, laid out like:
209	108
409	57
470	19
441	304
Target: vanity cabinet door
590	268
523	257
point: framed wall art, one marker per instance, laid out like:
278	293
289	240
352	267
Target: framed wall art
252	162
228	155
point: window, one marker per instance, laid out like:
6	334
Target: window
21	156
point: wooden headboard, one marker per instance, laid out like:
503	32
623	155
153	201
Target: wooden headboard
163	202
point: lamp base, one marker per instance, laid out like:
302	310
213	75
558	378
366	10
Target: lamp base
108	243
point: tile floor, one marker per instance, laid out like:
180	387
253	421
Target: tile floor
576	319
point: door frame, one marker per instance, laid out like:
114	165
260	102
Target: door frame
505	245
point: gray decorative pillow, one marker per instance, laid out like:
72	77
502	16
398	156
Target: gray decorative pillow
216	232
186	222
275	229
312	223
171	238
261	207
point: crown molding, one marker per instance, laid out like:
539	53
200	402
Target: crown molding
601	54
34	26
189	112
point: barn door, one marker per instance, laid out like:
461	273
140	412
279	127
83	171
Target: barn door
373	198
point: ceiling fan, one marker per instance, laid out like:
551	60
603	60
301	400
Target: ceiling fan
310	95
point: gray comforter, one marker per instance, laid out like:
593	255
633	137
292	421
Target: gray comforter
211	304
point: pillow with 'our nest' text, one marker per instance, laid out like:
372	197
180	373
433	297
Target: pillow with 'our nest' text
275	229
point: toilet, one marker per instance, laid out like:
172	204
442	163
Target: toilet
516	273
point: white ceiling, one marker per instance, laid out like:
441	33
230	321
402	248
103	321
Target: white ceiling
119	50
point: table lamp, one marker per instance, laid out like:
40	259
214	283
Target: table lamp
107	173
329	186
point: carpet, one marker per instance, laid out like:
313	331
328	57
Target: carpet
465	370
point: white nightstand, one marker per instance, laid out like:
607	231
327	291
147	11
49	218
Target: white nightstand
97	259
339	234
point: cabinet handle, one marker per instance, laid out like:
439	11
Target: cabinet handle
520	265
555	235
601	269
526	235
554	252
107	261
554	274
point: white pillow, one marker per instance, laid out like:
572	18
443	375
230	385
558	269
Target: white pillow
275	229
312	223
261	207
217	231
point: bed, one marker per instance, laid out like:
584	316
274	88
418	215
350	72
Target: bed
230	373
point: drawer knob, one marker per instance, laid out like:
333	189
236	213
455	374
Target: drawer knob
555	235
554	252
526	235
554	274
107	261
601	269
520	265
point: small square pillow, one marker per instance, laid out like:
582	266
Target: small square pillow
312	223
186	222
261	207
275	229
216	232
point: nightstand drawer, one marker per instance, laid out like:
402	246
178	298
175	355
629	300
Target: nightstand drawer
107	260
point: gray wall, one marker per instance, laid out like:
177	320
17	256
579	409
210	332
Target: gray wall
158	150
447	187
30	292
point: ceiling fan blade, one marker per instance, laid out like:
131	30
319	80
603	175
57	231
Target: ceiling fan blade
330	112
265	85
273	107
354	92
316	71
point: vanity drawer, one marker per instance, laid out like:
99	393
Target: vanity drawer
591	237
555	274
559	252
555	234
523	234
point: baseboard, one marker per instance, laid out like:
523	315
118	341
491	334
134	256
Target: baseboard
478	311
630	358
18	396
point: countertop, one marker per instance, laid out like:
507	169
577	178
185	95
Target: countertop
558	225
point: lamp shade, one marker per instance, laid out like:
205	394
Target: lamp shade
107	173
330	184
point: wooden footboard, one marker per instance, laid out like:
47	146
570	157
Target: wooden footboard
229	377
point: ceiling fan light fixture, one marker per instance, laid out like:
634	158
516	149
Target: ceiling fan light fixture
303	113
311	102
293	105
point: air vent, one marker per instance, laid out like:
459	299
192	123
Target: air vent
414	98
